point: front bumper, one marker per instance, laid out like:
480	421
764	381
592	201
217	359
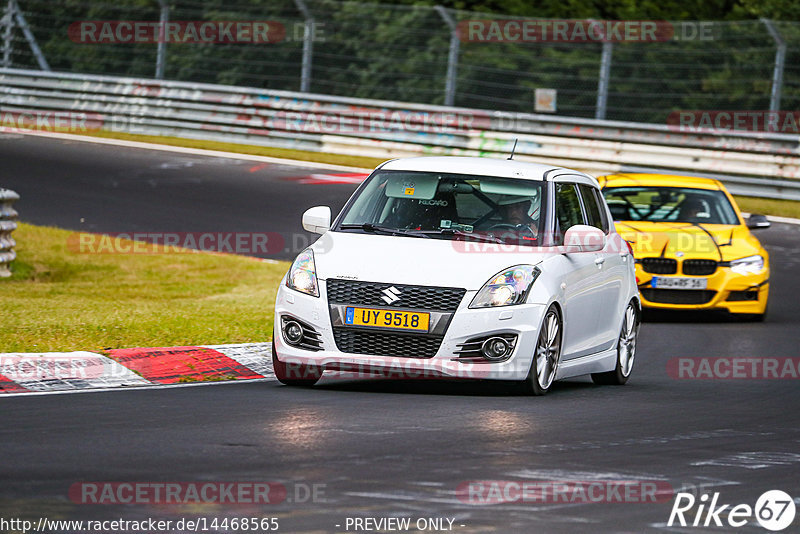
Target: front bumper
522	320
734	292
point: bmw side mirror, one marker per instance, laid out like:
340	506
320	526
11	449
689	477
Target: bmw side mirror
757	221
317	220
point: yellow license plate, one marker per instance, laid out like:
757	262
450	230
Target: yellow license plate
399	320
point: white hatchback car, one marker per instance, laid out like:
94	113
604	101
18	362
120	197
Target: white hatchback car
465	268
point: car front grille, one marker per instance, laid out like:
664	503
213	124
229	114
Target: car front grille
678	296
386	344
372	293
699	267
659	265
355	340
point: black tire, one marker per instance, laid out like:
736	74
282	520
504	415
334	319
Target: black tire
547	355
294	374
626	349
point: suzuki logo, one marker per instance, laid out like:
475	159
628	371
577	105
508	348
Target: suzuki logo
390	295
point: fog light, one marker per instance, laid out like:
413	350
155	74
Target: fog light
495	348
293	332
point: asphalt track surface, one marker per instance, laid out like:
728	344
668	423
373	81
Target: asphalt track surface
107	189
386	447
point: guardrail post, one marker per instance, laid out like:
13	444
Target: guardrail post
777	71
452	56
161	57
603	80
26	31
308	46
8	224
8	41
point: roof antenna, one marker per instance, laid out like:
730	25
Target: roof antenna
514	148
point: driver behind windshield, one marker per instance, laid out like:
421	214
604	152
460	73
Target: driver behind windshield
520	212
692	209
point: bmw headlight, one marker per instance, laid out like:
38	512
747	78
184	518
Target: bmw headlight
506	288
303	274
748	265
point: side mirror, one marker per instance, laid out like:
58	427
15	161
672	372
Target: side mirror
757	221
583	238
317	219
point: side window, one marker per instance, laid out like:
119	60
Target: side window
601	203
593	213
568	209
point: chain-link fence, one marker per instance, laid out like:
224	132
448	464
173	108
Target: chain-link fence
417	54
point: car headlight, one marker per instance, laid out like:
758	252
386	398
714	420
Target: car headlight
303	274
506	288
748	265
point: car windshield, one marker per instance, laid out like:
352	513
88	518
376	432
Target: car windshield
670	204
448	206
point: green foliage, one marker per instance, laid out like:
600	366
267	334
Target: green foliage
399	51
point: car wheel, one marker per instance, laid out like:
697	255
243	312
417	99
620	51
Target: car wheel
547	355
626	350
294	374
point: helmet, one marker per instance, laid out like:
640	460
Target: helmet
534	202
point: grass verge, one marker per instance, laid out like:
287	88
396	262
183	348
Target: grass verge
59	300
769	206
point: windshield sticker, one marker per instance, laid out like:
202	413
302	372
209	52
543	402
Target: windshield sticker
468	228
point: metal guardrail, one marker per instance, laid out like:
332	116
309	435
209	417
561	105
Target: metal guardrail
8	217
751	163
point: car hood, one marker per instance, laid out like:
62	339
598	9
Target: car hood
416	261
674	240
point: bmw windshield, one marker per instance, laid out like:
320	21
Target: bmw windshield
448	206
670	204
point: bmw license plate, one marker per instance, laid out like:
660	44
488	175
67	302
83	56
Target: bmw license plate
661	282
394	319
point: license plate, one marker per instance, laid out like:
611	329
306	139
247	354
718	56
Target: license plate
394	319
679	283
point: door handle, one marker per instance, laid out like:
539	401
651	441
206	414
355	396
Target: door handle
599	261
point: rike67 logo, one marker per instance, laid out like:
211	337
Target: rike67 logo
774	510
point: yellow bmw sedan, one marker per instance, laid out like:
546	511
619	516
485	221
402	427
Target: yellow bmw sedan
693	249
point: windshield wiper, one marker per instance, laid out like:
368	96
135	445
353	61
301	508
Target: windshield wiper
377	229
460	233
